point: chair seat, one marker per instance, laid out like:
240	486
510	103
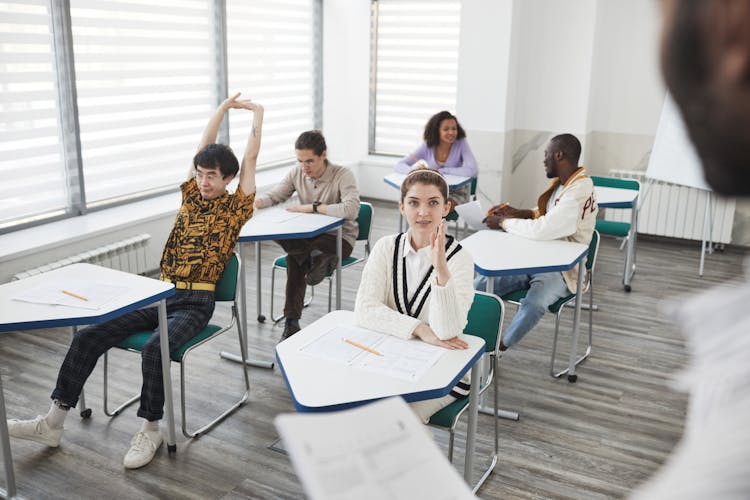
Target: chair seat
446	416
136	341
613	228
553	308
280	262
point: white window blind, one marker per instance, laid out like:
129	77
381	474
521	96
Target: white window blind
31	160
272	58
144	74
415	59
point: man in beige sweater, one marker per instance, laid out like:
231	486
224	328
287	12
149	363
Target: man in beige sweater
322	188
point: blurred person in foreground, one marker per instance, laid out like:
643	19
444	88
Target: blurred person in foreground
706	64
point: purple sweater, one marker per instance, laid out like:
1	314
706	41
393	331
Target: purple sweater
460	161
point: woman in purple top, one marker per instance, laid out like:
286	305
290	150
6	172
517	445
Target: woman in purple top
444	149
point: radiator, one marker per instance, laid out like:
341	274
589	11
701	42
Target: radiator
127	255
675	211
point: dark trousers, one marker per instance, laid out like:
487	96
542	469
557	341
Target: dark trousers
188	312
298	263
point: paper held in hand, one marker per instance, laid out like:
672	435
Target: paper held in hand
473	214
376	451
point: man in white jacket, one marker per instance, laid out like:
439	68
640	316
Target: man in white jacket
565	210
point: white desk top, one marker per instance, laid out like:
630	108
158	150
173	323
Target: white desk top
139	291
608	197
497	253
319	385
454	181
278	223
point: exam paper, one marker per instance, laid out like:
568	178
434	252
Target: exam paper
375	452
473	214
51	292
403	359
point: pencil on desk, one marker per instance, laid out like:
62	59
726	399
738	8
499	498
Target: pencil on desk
74	295
364	347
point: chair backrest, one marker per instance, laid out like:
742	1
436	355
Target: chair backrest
614	182
593	251
364	220
486	319
226	287
473	188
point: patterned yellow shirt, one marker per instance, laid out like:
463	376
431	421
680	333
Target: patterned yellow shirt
204	234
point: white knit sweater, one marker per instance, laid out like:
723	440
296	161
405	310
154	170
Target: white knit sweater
445	309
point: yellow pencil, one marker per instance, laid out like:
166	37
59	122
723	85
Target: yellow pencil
74	295
357	344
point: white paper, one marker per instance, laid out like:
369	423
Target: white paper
277	215
53	291
473	214
398	358
378	451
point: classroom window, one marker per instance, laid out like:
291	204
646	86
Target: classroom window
274	53
103	103
31	157
414	69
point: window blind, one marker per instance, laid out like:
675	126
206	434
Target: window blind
414	70
31	158
273	57
144	73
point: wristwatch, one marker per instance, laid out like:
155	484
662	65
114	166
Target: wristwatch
315	204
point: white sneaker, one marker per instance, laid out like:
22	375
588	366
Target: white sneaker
142	450
35	430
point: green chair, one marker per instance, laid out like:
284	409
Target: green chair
485	320
556	308
227	290
364	221
620	229
453	215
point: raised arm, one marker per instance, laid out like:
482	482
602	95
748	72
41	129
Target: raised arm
250	158
212	127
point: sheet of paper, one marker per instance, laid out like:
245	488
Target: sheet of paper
332	346
398	358
473	214
375	452
403	359
278	215
80	293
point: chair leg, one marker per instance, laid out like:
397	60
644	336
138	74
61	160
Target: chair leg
105	404
451	440
330	291
585	355
238	403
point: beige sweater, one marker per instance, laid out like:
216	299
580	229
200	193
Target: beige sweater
336	188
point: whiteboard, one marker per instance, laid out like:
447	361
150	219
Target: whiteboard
673	157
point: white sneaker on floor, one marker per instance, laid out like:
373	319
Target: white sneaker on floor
142	450
35	430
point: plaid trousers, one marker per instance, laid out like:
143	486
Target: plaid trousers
188	311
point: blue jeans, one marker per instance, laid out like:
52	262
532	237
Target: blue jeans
544	289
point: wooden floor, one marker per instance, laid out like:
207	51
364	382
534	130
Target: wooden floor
597	438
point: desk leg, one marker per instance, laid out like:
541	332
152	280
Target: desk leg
166	377
10	479
258	298
627	274
339	236
572	377
471	427
242	317
504	414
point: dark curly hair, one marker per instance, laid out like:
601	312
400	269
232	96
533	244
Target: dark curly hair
312	139
218	156
432	129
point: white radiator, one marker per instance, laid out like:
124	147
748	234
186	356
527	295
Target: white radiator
675	211
127	255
